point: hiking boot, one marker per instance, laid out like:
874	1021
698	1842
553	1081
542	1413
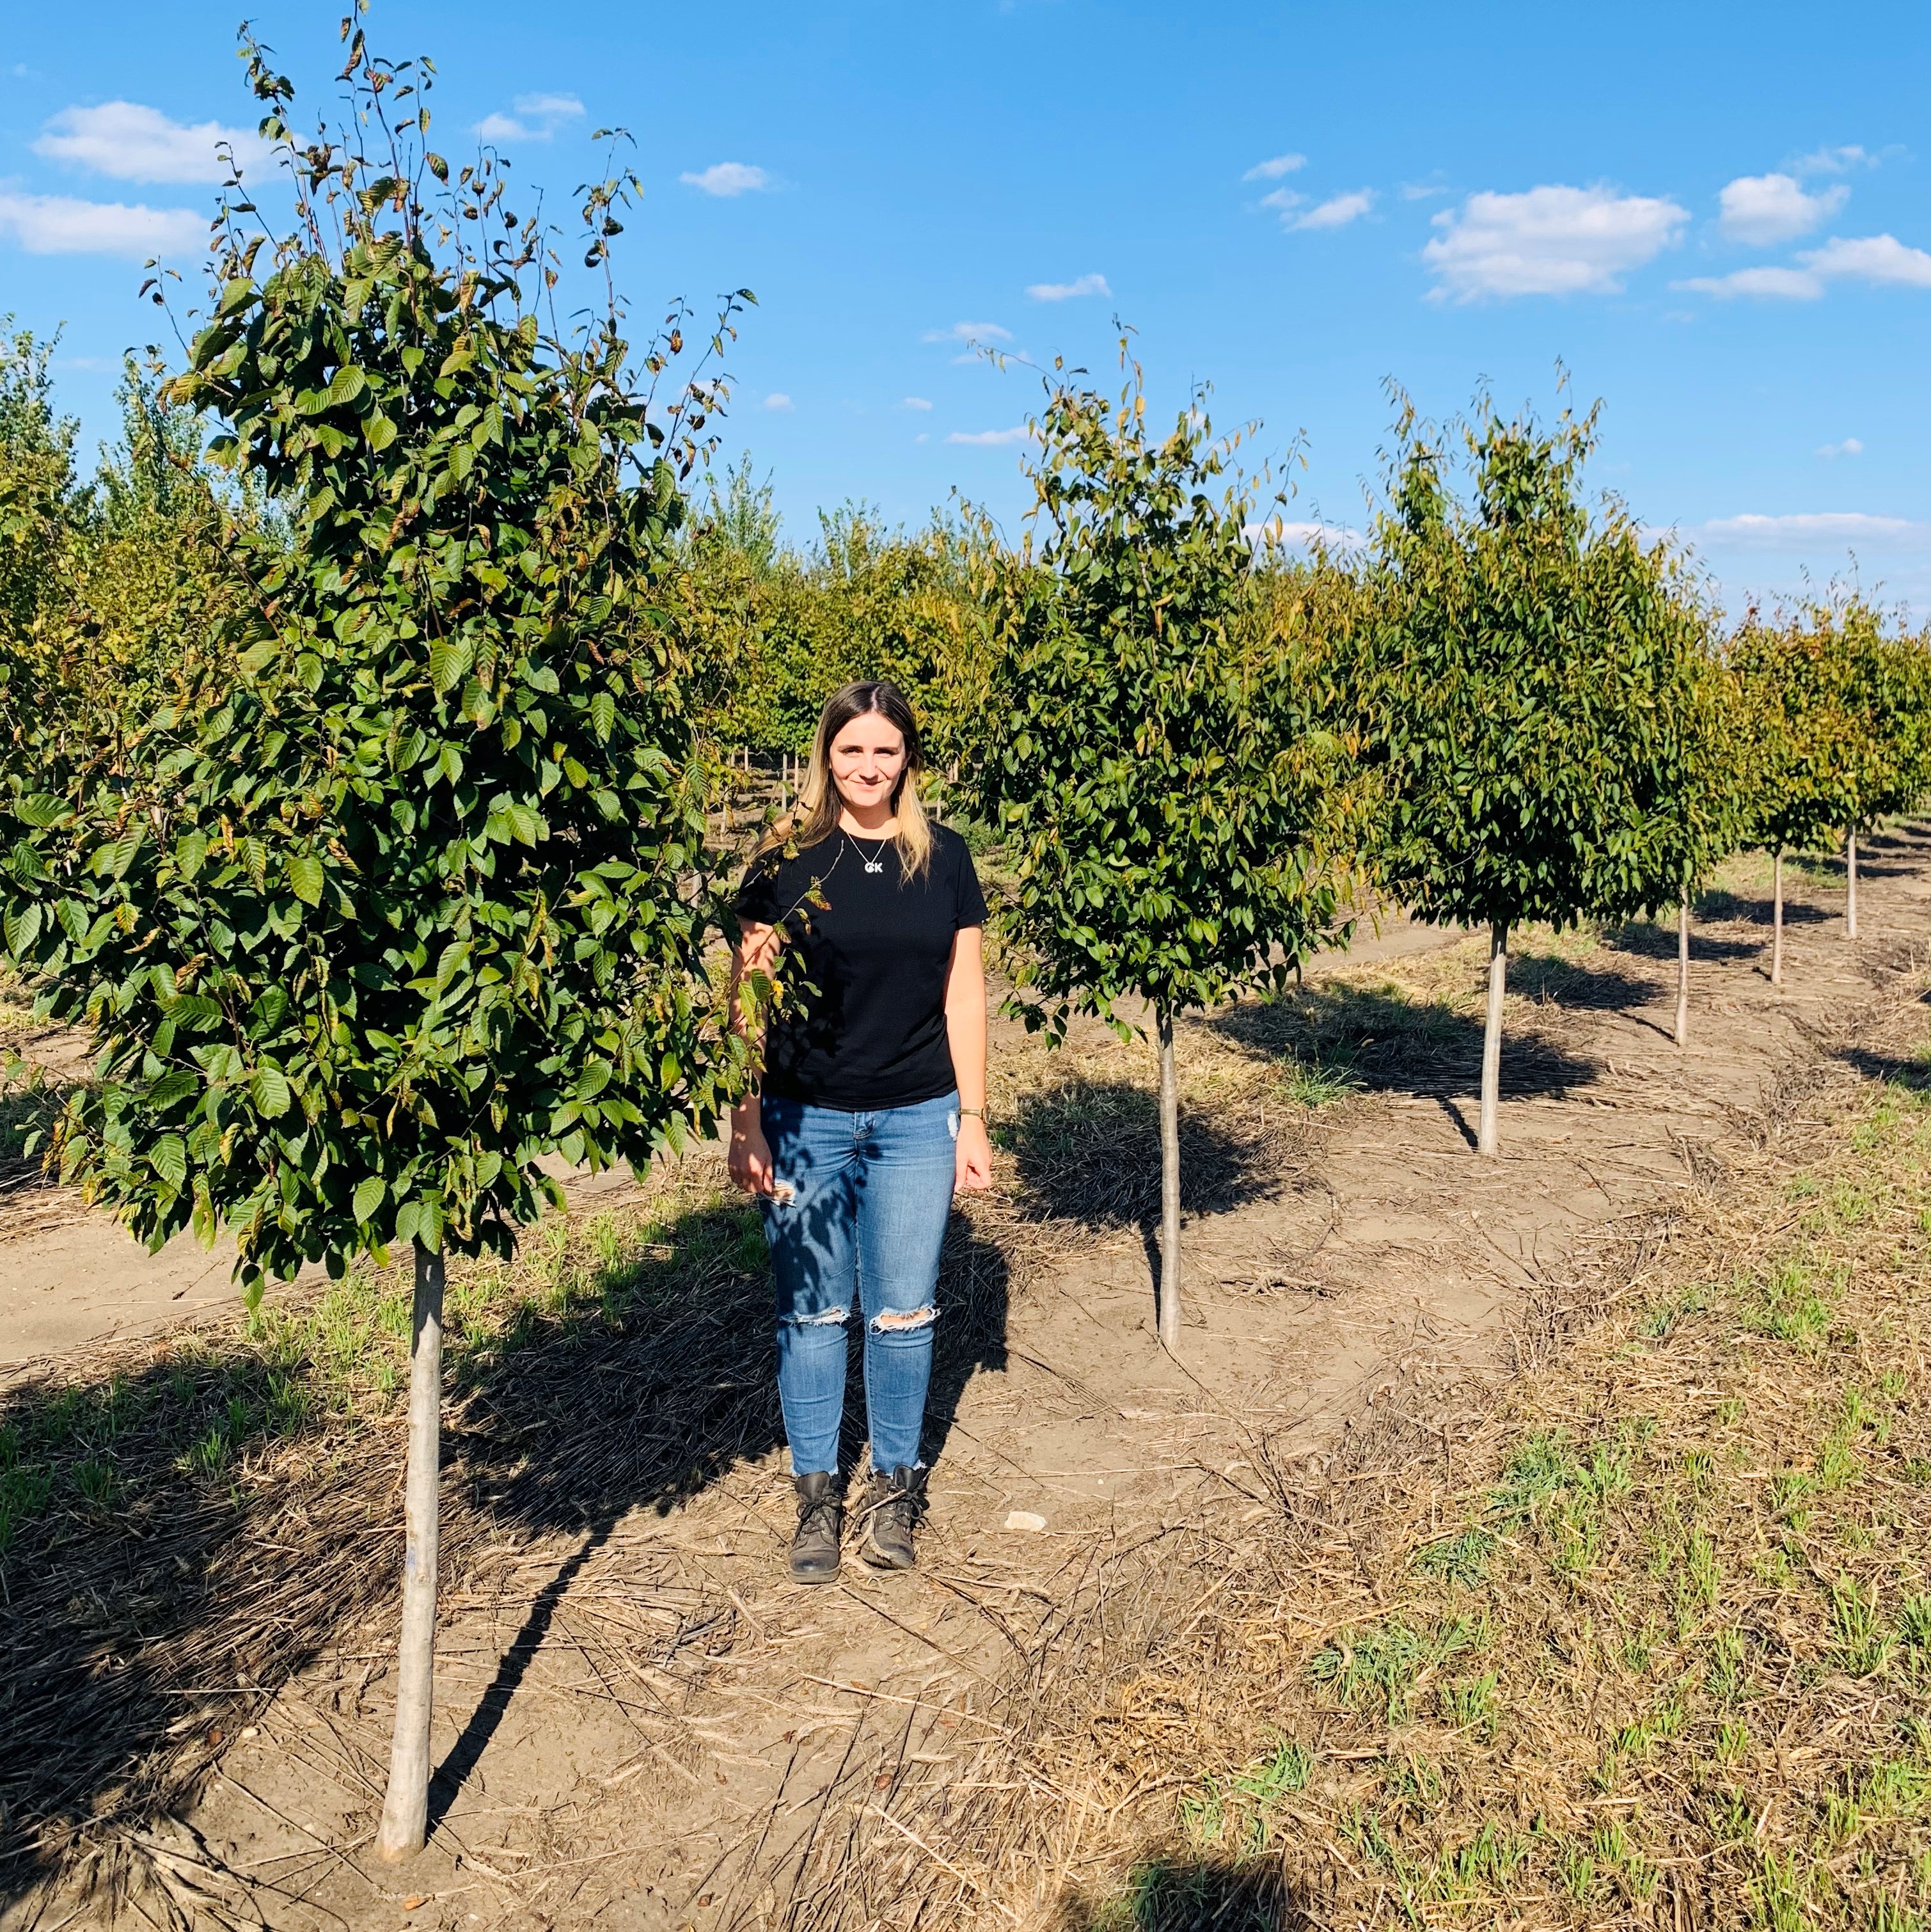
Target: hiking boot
821	1518
893	1503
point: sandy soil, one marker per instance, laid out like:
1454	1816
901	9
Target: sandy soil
641	1722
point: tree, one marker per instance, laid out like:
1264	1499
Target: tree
1837	713
418	895
1166	788
1890	691
1543	701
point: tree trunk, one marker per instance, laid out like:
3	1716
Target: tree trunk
1682	972
1776	924
1487	1135
1170	1191
405	1809
1850	874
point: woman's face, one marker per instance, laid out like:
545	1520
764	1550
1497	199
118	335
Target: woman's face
867	760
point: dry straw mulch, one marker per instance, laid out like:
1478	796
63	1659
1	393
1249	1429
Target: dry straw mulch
1651	1645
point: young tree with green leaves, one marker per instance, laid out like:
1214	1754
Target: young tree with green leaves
1165	783
419	896
1544	701
1837	734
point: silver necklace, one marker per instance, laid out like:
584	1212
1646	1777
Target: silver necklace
874	864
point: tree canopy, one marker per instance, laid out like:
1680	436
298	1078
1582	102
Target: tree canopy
416	893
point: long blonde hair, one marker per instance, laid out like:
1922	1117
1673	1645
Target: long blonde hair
817	817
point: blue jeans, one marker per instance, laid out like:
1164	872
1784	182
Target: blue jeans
857	1216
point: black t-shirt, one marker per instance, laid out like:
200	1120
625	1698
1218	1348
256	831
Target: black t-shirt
868	1029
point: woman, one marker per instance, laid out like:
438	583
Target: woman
870	1112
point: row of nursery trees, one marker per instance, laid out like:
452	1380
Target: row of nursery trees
362	726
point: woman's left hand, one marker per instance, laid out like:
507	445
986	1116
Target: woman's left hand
972	1157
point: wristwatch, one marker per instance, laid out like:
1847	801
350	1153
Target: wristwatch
973	1114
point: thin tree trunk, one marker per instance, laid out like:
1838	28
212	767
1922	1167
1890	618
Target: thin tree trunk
1170	1191
1850	871
405	1809
1487	1139
1682	972
1776	924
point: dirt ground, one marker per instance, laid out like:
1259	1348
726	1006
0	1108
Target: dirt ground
641	1723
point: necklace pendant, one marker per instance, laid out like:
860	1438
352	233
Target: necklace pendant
874	864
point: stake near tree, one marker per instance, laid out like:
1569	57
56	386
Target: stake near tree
420	897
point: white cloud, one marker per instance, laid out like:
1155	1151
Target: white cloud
58	224
969	331
1083	285
1780	284
1880	259
991	439
1337	211
1422	191
132	142
1833	527
1282	198
1871	258
1761	210
727	178
914	403
537	118
1272	170
1850	446
779	401
1552	241
1833	161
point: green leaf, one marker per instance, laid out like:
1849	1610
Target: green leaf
449	660
22	928
369	1196
603	714
305	878
40	809
171	1087
169	1158
269	1090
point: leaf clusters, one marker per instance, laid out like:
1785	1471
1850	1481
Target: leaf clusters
420	897
1556	735
1168	790
1838	721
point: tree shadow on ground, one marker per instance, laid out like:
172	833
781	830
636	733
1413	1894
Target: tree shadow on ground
1913	1075
1568	982
1723	907
1647	940
1191	1894
1378	1039
1088	1152
191	1523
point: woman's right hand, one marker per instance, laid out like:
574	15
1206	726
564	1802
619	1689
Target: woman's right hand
749	1157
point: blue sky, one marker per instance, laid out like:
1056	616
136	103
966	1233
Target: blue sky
1715	217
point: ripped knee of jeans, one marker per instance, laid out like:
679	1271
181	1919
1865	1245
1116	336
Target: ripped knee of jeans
897	1321
831	1317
